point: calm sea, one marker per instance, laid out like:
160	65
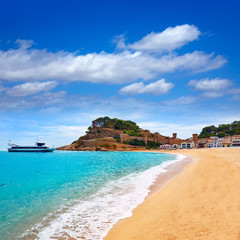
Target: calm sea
72	194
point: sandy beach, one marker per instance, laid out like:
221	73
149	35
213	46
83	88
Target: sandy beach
201	202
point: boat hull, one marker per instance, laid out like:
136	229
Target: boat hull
32	150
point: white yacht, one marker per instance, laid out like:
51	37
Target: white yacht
39	147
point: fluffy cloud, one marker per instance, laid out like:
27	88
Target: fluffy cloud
234	91
30	88
156	88
184	130
181	101
210	84
210	94
168	40
212	88
24	44
29	64
42	100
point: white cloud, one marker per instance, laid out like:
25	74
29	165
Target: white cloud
29	64
213	88
234	91
119	40
155	88
210	94
181	101
210	84
66	131
30	88
168	40
42	100
2	88
183	131
24	44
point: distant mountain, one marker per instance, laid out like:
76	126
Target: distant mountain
221	131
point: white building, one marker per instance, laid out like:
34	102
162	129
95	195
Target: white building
236	141
187	144
215	142
166	146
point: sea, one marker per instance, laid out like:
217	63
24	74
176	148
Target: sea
73	195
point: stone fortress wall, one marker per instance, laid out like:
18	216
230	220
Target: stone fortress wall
99	132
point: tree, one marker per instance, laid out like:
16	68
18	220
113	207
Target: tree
221	130
129	126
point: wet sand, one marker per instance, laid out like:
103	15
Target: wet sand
172	171
202	202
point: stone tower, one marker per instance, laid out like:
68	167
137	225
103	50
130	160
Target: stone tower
145	137
94	126
121	136
195	137
174	135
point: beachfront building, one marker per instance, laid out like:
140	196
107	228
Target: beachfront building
189	144
210	143
236	141
214	142
165	146
218	143
175	146
202	143
227	141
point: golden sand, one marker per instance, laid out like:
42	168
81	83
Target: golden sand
203	202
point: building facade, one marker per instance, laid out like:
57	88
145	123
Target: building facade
236	141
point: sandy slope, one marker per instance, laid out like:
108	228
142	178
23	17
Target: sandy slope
203	202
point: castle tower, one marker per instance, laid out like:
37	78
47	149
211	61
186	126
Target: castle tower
174	135
195	137
121	136
145	136
94	126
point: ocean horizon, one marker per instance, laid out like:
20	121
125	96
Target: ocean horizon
73	194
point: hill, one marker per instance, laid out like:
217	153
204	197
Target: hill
119	135
127	126
221	131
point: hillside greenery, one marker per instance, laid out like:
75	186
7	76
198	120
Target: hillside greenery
128	127
221	131
149	145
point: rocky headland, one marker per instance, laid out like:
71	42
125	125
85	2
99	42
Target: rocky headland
108	134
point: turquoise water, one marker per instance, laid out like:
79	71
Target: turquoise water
72	194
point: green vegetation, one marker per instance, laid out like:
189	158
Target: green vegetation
89	130
105	145
136	142
128	127
221	130
152	145
133	133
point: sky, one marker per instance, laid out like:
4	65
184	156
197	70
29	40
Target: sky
170	66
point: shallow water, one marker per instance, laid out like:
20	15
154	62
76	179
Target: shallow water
72	194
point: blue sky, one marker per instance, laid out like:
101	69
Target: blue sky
171	66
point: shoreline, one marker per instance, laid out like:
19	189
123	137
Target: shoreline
172	170
201	202
164	178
